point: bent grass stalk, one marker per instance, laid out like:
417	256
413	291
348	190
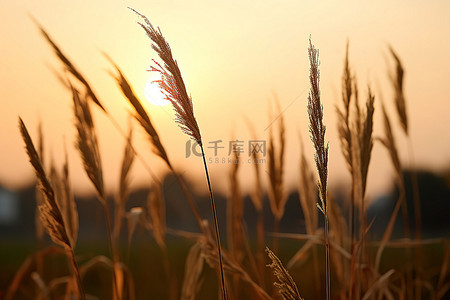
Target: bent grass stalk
87	144
397	80
174	89
49	211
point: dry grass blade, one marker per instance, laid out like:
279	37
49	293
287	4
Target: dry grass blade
318	240
276	167
72	211
237	237
210	254
141	115
307	190
171	82
366	139
397	81
26	268
144	119
235	211
389	141
65	199
44	289
257	200
338	228
362	144
50	214
127	163
347	137
192	273
40	230
87	143
134	217
285	284
157	211
120	202
256	195
104	262
124	186
301	254
308	193
379	285
49	211
70	66
344	114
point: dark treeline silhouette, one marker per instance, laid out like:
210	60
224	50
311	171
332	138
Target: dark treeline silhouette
434	194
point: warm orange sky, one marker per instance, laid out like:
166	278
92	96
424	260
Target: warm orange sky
234	55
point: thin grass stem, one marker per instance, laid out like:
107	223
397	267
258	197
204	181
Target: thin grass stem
77	275
111	244
327	259
216	226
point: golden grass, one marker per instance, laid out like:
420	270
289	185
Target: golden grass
277	195
172	85
49	211
243	269
285	284
317	130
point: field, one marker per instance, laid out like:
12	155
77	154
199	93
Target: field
228	252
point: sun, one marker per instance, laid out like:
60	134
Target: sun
154	94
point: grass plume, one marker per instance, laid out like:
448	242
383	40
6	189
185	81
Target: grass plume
285	284
70	67
276	167
277	196
141	115
317	130
396	78
49	211
87	144
172	85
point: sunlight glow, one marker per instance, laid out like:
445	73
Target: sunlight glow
154	94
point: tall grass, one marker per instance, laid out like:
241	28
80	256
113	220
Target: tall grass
344	264
172	85
317	130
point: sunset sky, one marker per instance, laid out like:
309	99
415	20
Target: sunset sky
234	57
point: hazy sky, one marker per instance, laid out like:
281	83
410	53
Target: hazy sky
234	56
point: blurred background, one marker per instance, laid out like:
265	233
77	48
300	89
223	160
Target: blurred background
236	58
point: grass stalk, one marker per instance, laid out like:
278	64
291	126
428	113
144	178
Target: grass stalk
77	274
276	155
174	89
417	218
317	130
216	226
112	245
327	259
